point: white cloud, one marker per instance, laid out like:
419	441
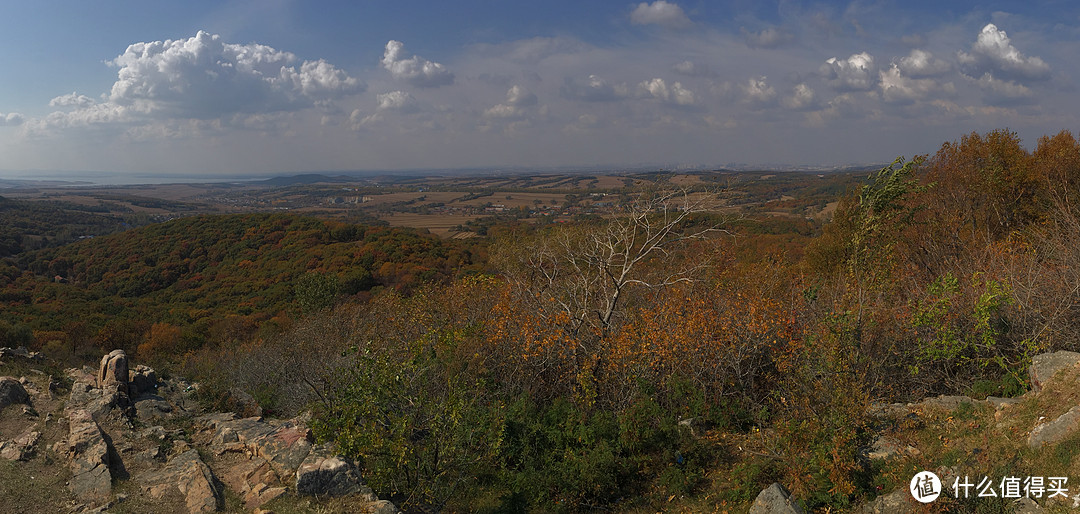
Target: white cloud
802	98
399	101
596	89
1004	92
518	96
414	70
320	79
898	88
204	77
856	73
517	101
11	119
758	94
675	94
660	13
71	100
692	69
993	53
922	64
771	37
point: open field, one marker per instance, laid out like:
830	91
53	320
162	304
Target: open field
441	203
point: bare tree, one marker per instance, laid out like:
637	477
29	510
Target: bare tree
586	269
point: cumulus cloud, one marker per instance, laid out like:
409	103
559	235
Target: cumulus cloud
660	13
758	94
898	88
856	73
320	79
414	70
802	98
595	89
72	100
399	101
675	94
768	38
204	77
993	53
11	119
517	100
922	64
693	69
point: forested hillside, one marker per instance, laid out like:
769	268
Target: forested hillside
211	278
661	357
31	225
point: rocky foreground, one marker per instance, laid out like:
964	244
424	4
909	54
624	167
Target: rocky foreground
123	439
1043	421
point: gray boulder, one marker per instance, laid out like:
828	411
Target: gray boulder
1056	430
326	474
1046	365
775	500
12	392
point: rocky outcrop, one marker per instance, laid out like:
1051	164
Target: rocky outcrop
12	392
775	500
100	403
188	475
19	353
93	461
324	473
142	380
113	372
255	481
188	465
20	448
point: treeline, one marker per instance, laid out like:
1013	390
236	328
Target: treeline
214	279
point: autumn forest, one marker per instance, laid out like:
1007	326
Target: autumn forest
644	344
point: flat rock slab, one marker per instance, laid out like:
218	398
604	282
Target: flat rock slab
152	408
1054	431
775	500
1045	366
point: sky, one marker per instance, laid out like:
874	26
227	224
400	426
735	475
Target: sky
269	87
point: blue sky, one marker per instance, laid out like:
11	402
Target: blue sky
276	86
